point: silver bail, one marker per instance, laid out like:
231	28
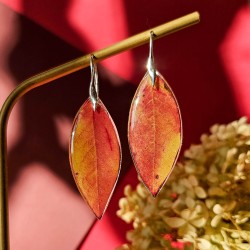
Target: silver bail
93	87
151	64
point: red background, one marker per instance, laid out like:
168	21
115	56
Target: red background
207	66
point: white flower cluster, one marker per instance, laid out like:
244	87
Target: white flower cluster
206	201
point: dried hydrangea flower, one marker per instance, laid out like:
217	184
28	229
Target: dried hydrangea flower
206	201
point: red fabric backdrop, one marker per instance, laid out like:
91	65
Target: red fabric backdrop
206	65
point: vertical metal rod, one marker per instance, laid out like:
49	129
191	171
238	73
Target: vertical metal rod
59	72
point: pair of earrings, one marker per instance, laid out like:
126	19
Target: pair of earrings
154	134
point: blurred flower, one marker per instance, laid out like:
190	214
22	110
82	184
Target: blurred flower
206	202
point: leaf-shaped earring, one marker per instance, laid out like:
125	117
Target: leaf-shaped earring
154	128
95	151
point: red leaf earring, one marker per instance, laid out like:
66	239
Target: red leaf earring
95	151
154	128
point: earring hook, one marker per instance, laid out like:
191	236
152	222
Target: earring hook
93	87
151	64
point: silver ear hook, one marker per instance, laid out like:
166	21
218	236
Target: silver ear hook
151	64
93	87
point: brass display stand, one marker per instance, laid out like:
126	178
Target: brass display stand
60	71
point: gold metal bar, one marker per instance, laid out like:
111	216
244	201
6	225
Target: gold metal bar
60	71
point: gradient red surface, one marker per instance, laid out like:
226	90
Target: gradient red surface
207	67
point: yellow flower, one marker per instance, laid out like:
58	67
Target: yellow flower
222	212
189	220
205	201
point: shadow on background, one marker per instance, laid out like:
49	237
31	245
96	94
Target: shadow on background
39	141
189	60
36	51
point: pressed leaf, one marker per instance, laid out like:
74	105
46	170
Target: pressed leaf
95	155
154	132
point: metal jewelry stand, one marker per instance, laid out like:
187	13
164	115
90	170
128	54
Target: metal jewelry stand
58	72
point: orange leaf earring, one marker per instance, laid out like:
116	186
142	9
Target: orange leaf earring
154	128
95	151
